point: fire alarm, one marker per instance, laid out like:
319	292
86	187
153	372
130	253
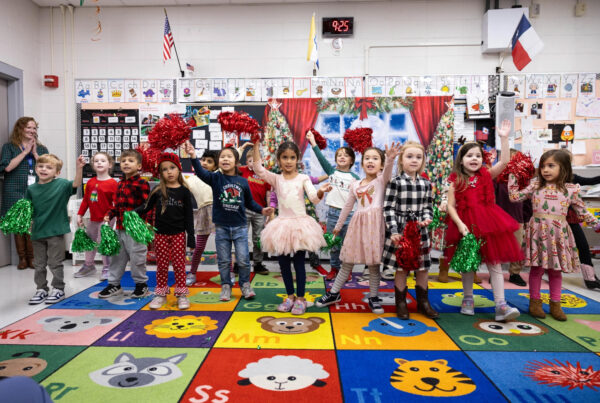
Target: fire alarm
51	81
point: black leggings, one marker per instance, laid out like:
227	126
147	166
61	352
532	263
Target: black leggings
585	257
285	263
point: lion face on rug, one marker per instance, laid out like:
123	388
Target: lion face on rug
181	326
566	300
430	378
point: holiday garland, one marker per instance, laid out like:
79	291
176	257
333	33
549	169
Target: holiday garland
362	106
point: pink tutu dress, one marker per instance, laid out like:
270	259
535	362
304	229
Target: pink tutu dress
293	230
363	243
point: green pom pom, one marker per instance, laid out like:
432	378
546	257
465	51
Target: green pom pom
109	242
467	257
437	221
18	219
137	228
332	241
82	242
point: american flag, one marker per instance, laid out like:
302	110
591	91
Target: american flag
167	41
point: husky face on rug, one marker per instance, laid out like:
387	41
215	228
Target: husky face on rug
130	372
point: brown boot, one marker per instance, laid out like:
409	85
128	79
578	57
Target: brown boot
20	243
423	303
535	308
29	251
401	308
476	279
557	312
443	276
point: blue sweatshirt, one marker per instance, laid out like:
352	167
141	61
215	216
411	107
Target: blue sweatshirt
231	196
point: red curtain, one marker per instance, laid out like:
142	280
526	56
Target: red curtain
301	115
426	114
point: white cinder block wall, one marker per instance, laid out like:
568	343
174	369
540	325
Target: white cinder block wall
268	40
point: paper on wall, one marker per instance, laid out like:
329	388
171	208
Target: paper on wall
578	147
464	128
558	110
588	129
215	145
588	107
568	85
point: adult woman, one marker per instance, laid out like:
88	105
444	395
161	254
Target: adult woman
17	163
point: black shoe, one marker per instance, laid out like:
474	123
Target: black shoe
328	299
517	280
592	284
141	290
109	291
375	305
261	269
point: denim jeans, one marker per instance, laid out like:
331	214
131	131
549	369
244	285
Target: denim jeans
332	218
224	238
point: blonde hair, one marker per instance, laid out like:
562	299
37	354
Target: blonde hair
18	131
50	159
406	146
109	158
162	188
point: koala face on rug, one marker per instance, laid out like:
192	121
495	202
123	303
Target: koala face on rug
130	372
72	324
290	325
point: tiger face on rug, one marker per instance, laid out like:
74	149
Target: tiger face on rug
430	378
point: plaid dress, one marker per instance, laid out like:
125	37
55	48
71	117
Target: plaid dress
403	197
15	181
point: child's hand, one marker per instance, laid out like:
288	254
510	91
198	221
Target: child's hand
444	207
396	238
425	223
189	149
106	219
81	161
326	187
462	228
393	150
504	129
79	221
336	231
270	218
597	227
267	211
311	138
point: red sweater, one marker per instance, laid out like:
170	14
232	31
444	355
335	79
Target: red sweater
98	198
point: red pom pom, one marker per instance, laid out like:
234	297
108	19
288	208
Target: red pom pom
150	156
408	253
522	167
487	158
169	132
255	138
319	139
359	139
238	122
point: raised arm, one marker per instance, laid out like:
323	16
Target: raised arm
320	157
503	132
390	156
261	171
516	195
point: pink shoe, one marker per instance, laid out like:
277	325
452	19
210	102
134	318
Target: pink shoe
286	305
299	307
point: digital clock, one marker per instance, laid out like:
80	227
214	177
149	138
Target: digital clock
338	26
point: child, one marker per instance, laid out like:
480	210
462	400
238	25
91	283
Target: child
340	178
472	207
260	193
407	196
50	196
174	217
203	223
293	231
364	243
98	197
132	192
549	243
229	216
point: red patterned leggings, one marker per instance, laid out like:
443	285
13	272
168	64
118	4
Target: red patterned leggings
170	248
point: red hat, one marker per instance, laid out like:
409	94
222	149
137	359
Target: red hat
171	158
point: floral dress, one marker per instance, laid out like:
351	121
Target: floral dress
549	242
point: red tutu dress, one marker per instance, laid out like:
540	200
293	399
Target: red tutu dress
476	207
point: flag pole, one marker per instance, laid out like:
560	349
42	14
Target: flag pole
314	69
175	47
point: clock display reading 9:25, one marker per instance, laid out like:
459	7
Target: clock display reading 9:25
338	26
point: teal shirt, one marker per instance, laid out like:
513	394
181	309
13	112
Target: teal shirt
50	216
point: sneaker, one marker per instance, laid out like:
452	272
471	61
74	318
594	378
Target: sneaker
299	307
39	297
505	312
261	269
85	271
388	274
375	305
157	302
55	296
225	292
183	302
332	274
109	291
286	305
247	291
328	299
190	279
104	275
322	272
517	280
467	307
140	291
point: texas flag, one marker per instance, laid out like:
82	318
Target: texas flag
525	44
